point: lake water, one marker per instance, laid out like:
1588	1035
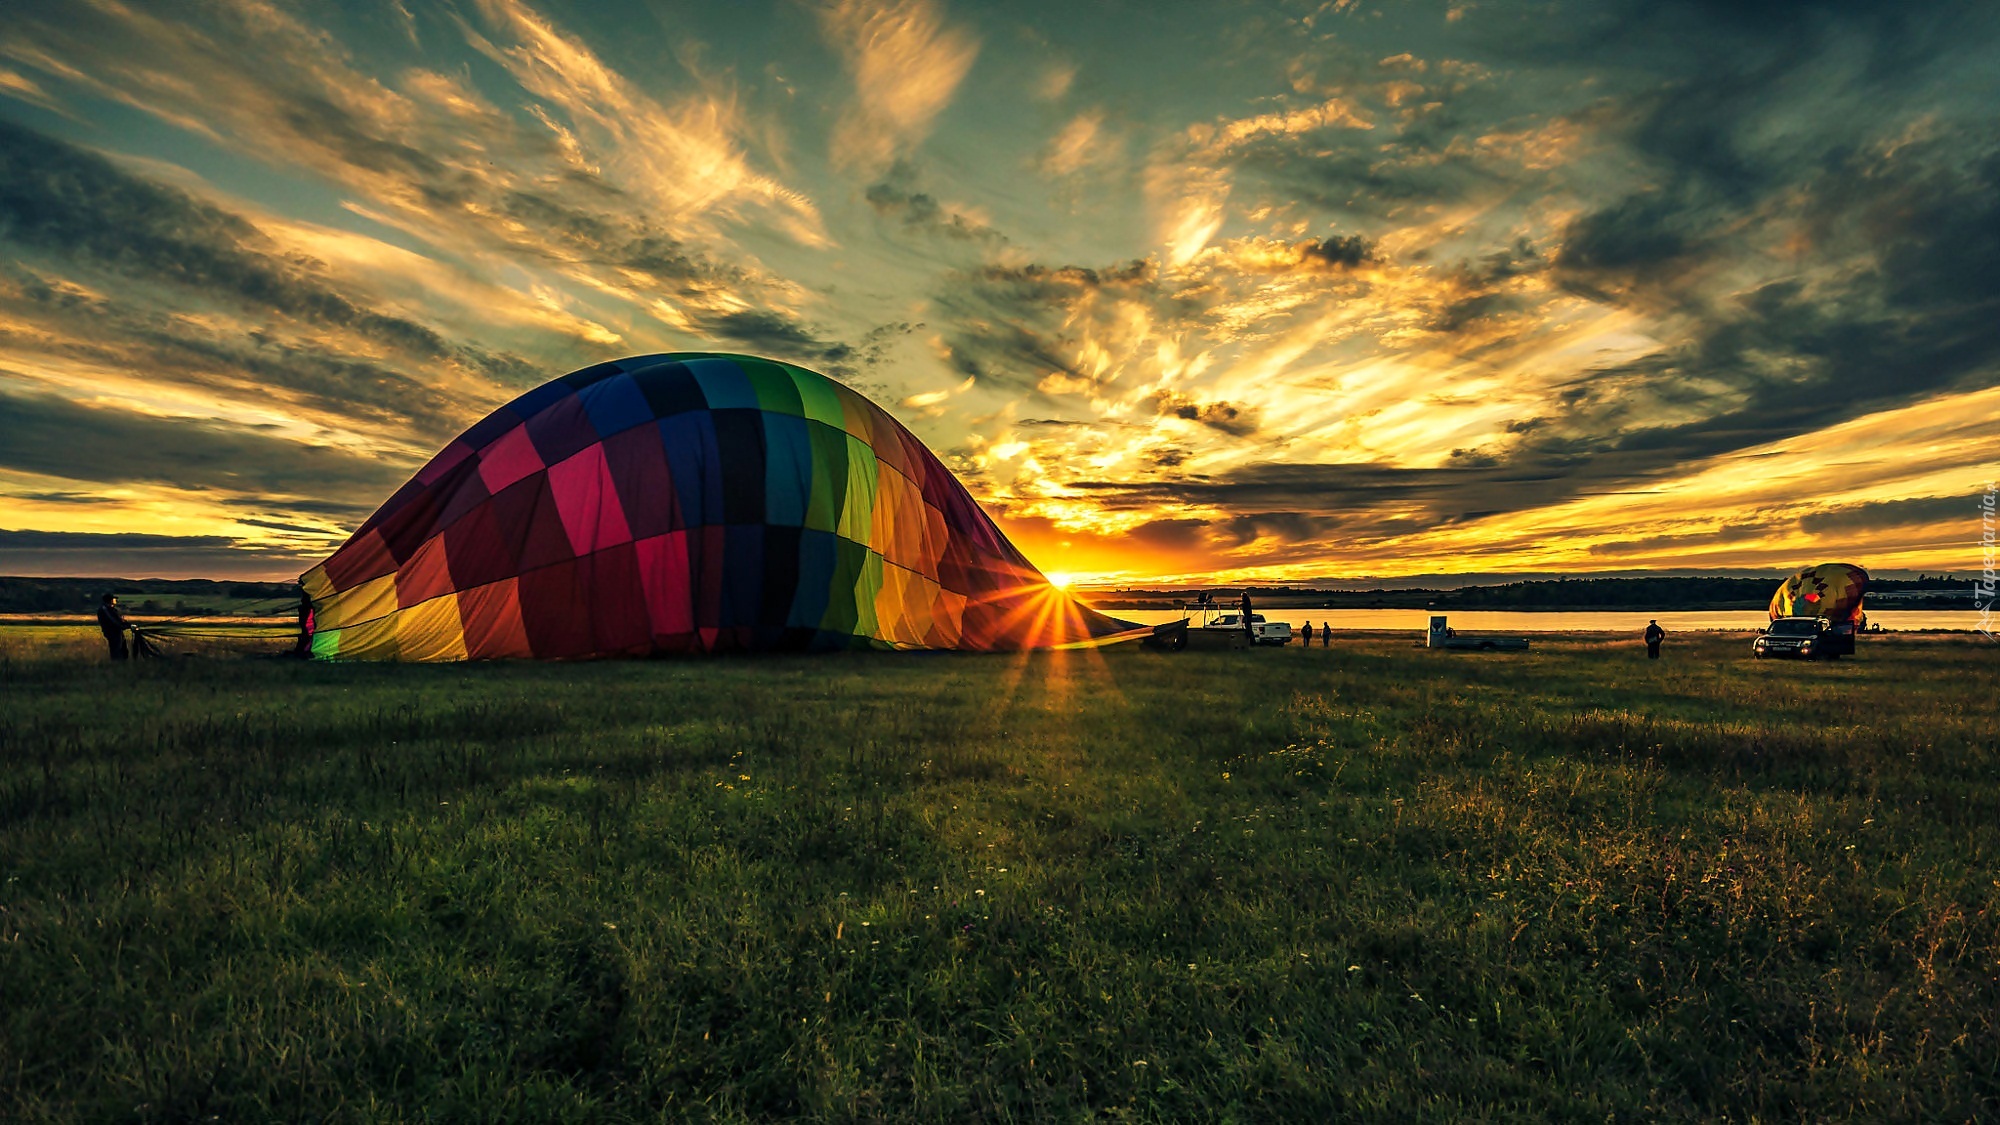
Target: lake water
1416	621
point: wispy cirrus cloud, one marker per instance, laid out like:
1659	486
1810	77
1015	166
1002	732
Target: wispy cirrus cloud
593	179
906	62
76	212
1086	141
687	159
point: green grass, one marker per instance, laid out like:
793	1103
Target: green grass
1365	883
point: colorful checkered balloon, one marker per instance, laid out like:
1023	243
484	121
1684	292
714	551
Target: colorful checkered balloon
685	503
1829	590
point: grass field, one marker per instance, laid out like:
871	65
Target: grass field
1362	883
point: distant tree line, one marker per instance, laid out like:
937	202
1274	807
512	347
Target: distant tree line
1651	593
187	595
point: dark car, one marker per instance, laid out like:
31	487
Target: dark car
1804	637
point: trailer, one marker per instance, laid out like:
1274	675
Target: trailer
1488	644
1442	635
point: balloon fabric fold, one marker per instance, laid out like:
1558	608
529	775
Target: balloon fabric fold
685	503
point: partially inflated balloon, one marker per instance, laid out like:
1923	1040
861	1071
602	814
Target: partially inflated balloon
685	503
1829	590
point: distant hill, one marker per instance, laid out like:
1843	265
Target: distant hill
181	597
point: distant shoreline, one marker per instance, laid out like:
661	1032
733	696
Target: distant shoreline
1322	603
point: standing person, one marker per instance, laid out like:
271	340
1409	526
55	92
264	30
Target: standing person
1326	635
1249	630
304	645
1309	634
1654	635
111	622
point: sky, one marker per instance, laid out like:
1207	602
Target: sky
1182	291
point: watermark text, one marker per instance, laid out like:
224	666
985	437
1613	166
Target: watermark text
1983	590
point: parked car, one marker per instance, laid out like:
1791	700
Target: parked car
1807	638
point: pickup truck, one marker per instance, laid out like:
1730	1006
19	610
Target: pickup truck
1265	632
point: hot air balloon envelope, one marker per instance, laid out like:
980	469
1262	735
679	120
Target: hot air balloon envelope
685	503
1829	590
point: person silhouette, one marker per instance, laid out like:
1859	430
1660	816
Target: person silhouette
111	622
1654	635
303	646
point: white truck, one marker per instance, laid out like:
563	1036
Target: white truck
1261	631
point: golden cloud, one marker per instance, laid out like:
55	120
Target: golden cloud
906	64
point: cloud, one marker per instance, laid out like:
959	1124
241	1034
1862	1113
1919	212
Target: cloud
1897	306
1894	513
1784	289
1028	326
1082	143
595	171
895	196
29	540
1055	80
60	200
14	84
1283	527
906	63
1327	488
1678	544
114	271
52	337
686	158
51	437
1171	534
1229	418
1332	113
1339	252
142	554
779	336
